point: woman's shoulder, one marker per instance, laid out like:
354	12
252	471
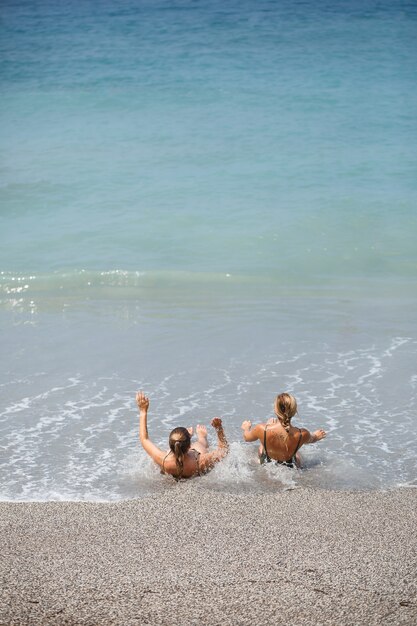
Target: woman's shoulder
296	430
299	431
271	420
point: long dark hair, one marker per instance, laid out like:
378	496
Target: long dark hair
179	443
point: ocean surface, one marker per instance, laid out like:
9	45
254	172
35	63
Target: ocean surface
213	202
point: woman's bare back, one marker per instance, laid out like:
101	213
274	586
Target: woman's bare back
279	440
280	444
191	465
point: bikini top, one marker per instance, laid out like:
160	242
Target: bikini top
197	458
293	454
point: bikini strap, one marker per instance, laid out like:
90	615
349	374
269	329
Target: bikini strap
266	451
299	442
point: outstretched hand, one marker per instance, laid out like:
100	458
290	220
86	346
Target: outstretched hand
216	422
320	434
142	401
246	425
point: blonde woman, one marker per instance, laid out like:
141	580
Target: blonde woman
280	441
183	459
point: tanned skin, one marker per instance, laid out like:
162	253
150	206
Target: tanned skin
207	458
281	444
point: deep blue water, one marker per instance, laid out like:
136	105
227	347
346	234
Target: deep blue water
265	137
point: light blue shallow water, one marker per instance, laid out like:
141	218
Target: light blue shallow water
214	202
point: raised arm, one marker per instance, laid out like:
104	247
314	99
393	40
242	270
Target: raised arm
154	452
222	445
211	458
249	433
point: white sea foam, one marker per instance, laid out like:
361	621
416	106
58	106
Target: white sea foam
78	439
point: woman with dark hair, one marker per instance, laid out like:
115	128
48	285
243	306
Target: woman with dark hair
279	440
183	459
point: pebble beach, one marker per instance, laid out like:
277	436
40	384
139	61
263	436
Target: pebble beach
190	557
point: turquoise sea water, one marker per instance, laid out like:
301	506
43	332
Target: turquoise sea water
215	202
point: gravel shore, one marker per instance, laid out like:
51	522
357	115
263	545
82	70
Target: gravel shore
199	557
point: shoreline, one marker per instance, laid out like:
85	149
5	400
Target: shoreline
203	557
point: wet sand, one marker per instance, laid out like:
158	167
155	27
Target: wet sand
197	557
